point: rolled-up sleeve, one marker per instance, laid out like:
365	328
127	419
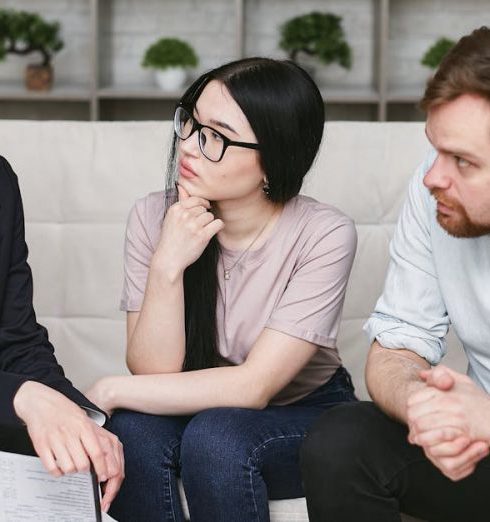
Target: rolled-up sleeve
411	314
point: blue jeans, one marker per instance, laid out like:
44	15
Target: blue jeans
231	460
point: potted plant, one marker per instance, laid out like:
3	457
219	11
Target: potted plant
319	35
170	57
436	52
23	33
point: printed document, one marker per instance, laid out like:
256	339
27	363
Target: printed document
29	493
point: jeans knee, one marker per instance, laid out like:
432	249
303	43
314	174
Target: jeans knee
149	441
128	426
215	439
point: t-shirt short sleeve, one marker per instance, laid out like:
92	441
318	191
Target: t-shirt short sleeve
138	251
311	305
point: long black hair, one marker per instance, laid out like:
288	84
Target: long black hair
286	113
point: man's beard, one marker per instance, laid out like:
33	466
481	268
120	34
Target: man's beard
458	224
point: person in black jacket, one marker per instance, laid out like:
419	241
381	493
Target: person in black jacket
62	425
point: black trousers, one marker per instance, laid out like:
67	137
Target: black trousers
358	466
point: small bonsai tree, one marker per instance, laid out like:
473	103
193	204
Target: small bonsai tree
169	52
23	33
317	34
434	55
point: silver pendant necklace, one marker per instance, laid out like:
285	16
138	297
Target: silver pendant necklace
227	271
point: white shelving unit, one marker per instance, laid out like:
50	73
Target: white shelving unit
377	95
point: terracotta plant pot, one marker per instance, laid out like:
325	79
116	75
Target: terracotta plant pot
39	77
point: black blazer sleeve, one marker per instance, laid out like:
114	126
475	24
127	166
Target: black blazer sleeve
25	350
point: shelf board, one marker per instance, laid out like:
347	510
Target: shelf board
332	95
59	92
142	92
67	92
405	94
339	94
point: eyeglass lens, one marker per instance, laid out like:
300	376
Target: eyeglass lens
210	142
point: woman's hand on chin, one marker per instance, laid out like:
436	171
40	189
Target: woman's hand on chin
187	229
104	394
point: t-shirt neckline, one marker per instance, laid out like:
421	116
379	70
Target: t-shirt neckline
254	255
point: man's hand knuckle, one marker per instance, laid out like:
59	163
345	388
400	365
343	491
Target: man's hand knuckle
69	468
447	434
51	467
105	443
97	454
451	466
65	429
84	467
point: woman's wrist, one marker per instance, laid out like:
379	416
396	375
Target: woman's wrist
105	393
165	272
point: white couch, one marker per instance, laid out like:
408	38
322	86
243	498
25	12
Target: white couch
79	181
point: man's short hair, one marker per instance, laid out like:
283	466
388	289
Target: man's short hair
464	70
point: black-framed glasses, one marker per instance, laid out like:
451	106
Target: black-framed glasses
212	143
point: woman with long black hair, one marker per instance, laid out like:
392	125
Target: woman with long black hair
234	286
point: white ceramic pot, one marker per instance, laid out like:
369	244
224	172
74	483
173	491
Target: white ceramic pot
170	79
332	75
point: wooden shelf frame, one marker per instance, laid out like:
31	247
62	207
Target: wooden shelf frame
380	95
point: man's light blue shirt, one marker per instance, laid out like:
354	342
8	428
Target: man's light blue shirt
434	280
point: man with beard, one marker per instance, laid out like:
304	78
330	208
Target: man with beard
40	410
422	447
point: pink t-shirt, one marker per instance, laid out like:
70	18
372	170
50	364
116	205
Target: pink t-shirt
294	283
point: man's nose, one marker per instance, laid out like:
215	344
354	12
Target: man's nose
439	176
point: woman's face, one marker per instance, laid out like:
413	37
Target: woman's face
239	173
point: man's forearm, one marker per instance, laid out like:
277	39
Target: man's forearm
391	376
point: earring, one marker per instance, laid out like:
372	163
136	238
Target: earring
266	188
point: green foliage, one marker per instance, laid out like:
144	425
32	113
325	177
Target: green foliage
22	33
434	55
169	52
317	34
